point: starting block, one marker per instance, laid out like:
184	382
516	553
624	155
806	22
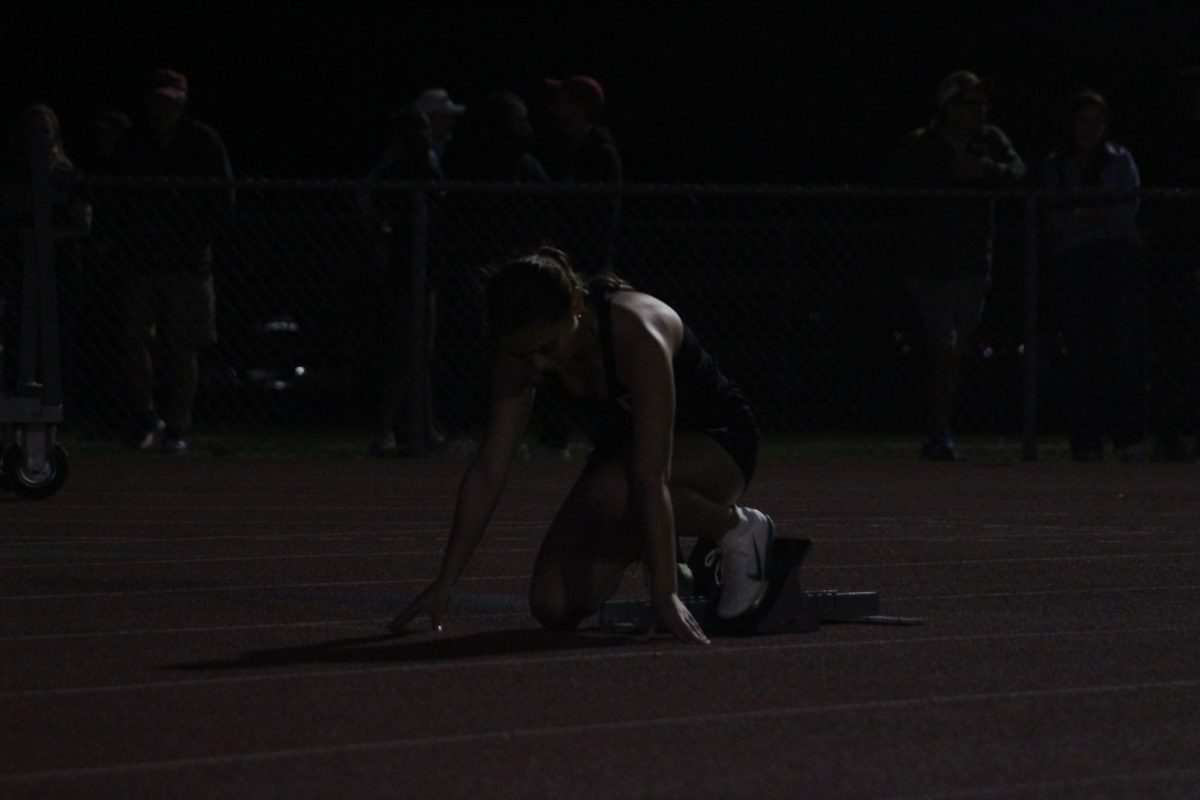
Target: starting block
786	608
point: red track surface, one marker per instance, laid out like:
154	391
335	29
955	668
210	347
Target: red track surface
210	627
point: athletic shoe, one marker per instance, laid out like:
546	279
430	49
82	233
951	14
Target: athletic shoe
550	452
742	573
383	444
149	435
175	445
1130	454
940	448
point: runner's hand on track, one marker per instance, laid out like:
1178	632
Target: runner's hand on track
675	617
432	601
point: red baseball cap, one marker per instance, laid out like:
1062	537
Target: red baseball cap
958	83
583	89
169	83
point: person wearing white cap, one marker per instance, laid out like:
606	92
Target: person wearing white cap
443	114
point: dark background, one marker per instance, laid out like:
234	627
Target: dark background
800	92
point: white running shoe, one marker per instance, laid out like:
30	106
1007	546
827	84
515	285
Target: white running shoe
743	568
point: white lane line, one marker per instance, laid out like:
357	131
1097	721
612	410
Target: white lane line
281	534
397	581
508	551
265	588
1044	787
289	587
99	562
1038	592
984	561
374	625
407	530
332	623
623	648
692	721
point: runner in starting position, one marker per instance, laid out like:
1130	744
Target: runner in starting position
674	446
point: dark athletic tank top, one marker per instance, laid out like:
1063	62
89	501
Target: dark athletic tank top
705	398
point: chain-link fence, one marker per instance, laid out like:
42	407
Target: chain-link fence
343	308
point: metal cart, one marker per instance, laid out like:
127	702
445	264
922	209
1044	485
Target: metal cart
32	462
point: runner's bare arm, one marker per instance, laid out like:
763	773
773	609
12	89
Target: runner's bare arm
648	335
481	486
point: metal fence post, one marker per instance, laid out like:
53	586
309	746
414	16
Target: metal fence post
1030	393
418	330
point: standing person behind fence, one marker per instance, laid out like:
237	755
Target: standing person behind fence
492	143
389	296
495	143
1175	292
948	258
675	445
443	115
580	150
167	246
1094	249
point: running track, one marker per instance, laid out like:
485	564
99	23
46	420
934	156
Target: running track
211	627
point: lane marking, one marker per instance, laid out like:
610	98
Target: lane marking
99	562
1038	592
623	648
262	588
705	721
1007	789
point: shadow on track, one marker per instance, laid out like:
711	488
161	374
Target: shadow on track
391	648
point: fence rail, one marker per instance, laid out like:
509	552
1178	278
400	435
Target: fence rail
340	303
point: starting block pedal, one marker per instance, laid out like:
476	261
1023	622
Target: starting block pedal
786	608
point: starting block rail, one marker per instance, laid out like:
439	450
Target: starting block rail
787	606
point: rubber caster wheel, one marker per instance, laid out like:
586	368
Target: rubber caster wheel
36	485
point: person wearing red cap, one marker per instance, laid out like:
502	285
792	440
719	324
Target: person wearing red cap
948	255
167	249
587	151
581	151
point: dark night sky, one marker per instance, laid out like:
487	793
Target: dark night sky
731	92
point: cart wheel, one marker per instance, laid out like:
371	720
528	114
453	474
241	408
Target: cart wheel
35	485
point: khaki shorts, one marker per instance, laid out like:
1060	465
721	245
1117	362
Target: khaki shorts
178	306
950	308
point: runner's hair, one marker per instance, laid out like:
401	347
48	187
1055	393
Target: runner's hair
536	288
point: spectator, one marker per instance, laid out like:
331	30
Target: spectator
443	114
949	246
167	246
496	143
107	130
493	142
389	287
1175	292
1094	251
581	150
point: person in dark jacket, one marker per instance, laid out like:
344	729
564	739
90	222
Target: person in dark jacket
948	256
583	151
167	248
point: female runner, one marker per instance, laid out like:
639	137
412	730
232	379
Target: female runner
674	446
